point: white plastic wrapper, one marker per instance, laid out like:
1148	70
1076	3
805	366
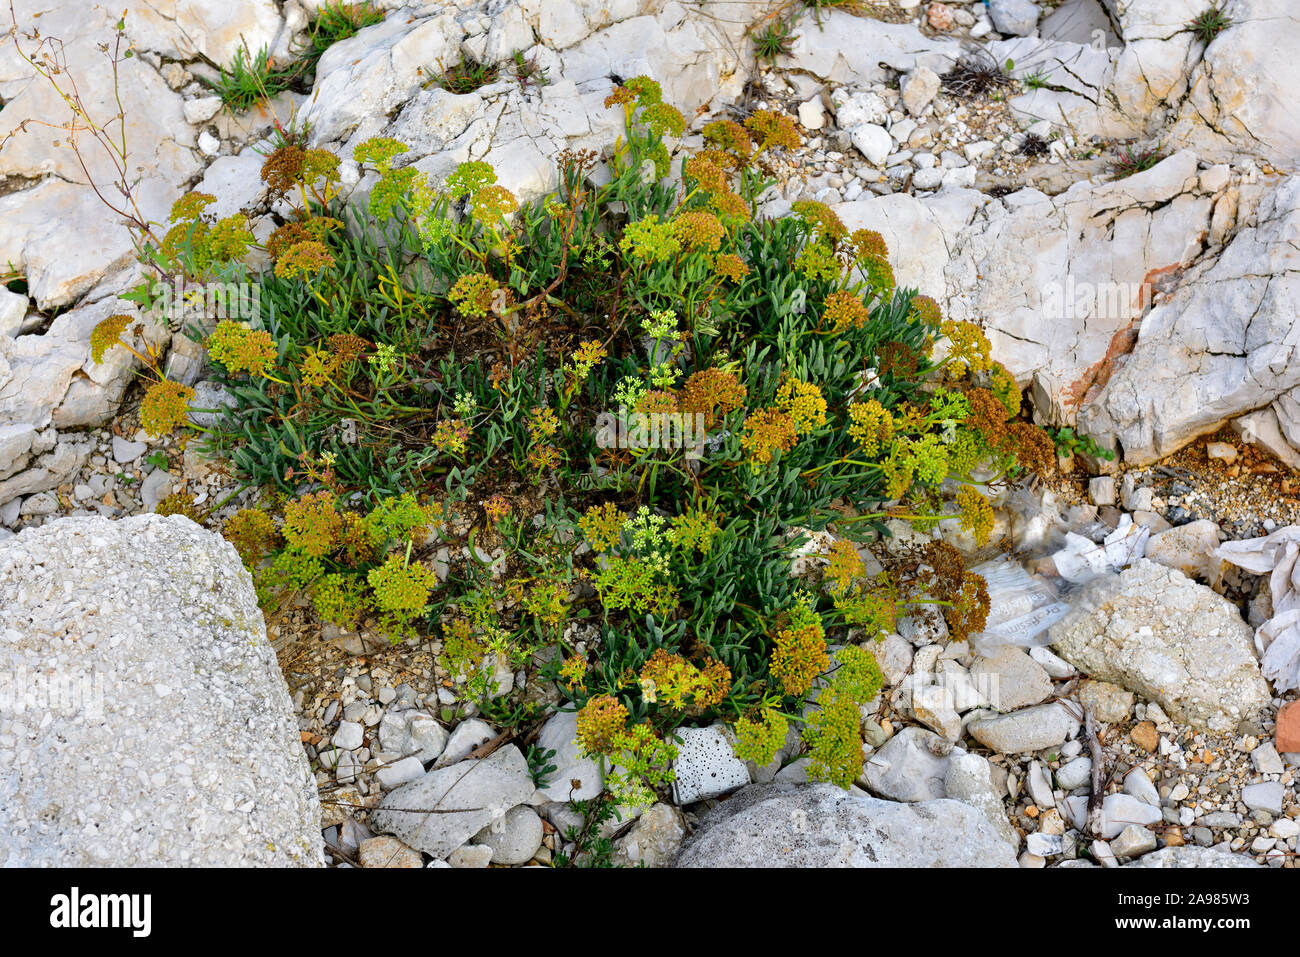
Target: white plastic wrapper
1277	640
1022	607
1081	559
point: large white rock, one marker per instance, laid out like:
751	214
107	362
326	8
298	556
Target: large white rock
1189	855
922	234
1231	100
1061	281
440	811
1154	631
575	778
379	82
37	224
151	724
705	766
1029	729
1222	345
1241	99
836	46
1076	87
218	29
820	825
911	766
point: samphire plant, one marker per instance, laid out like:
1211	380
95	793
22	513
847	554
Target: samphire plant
444	399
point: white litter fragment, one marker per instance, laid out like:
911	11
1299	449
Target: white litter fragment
1277	641
1021	607
1082	559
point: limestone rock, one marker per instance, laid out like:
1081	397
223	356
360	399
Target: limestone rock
1030	729
653	841
1156	632
1242	90
1014	16
514	838
1220	346
820	825
706	766
447	806
911	766
575	778
1188	548
1189	855
1010	679
387	852
170	707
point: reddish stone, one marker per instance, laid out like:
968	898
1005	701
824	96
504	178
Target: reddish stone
940	17
1145	735
1288	727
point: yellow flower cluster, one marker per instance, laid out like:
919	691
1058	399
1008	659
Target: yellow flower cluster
845	311
730	266
817	261
774	130
826	225
969	610
496	508
712	393
871	426
602	526
729	137
834	739
452	436
868	242
650	241
253	533
492	204
475	294
803	403
699	230
574	673
600	721
106	334
165	407
542	424
401	589
800	652
926	311
670	679
303	259
758	739
300	231
241	349
968	347
976	513
710	177
767	433
844	566
312	524
585	358
657	402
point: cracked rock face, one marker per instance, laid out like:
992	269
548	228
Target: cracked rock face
1224	343
37	223
377	83
1060	282
848	49
162	733
1242	99
1154	631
